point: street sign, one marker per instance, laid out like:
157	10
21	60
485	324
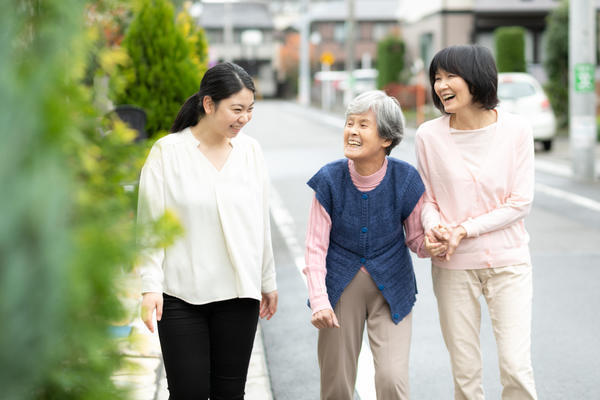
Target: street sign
327	58
584	77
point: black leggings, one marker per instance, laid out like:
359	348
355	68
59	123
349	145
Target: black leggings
206	348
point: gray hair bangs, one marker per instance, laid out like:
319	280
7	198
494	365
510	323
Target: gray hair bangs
388	114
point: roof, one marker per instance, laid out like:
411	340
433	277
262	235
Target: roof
364	10
243	14
518	6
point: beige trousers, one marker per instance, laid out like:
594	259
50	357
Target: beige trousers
338	348
508	293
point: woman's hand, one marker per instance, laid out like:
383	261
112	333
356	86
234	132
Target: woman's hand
436	242
325	319
268	305
434	247
151	301
456	235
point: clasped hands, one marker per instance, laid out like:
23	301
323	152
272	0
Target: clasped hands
441	241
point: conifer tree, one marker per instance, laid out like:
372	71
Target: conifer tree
161	73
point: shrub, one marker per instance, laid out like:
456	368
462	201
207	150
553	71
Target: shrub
556	45
161	73
67	226
510	49
390	60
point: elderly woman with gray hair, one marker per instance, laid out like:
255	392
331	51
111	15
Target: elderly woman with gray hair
364	217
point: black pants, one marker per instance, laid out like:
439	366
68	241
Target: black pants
206	348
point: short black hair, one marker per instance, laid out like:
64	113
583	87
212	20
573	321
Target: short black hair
476	65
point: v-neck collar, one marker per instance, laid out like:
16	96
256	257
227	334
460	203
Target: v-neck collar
488	154
194	142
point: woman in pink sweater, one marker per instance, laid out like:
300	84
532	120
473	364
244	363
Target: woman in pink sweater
477	166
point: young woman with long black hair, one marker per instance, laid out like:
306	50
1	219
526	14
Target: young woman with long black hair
209	288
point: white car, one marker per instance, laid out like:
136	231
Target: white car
521	93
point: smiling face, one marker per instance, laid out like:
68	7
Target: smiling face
232	113
453	91
361	139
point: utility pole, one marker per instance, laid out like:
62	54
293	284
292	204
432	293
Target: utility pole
582	95
304	67
350	22
227	31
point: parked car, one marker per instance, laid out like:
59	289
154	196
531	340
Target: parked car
521	93
364	79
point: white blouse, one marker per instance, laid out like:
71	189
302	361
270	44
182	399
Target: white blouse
226	249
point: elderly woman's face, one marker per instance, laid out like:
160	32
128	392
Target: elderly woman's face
361	140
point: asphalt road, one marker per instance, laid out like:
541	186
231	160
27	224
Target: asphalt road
565	245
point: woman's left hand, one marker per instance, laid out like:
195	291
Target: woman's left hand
268	304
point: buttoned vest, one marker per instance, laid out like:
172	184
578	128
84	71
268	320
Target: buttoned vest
367	229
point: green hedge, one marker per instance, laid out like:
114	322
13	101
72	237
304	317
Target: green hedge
510	49
556	45
390	60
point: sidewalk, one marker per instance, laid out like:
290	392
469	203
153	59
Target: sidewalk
561	155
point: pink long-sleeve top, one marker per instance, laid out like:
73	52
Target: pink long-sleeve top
319	228
490	202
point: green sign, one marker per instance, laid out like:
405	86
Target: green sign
584	77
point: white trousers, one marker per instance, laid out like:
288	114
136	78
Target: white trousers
508	293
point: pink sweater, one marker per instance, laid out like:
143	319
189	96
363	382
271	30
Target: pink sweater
319	228
490	204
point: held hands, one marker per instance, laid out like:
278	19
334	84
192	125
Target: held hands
151	301
441	242
325	319
268	305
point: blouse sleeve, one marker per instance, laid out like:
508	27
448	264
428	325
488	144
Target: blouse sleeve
151	206
268	281
520	196
317	243
430	214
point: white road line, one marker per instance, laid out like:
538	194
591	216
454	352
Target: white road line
365	385
553	168
285	223
571	197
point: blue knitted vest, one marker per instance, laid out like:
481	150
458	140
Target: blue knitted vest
367	229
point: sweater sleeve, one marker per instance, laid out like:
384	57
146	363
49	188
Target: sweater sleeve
519	197
151	206
317	243
415	235
430	214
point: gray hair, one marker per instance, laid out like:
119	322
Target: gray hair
388	114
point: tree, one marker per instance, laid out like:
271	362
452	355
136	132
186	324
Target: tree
67	226
510	49
195	36
556	64
161	73
390	60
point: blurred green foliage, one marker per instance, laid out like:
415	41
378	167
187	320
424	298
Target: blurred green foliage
556	64
67	230
195	36
390	60
160	73
510	49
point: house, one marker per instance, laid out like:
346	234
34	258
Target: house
374	19
433	25
242	32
